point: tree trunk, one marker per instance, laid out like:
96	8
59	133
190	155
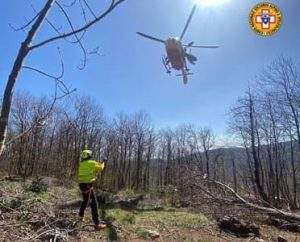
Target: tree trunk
23	52
295	187
257	164
207	163
234	175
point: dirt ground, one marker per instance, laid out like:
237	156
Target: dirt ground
28	216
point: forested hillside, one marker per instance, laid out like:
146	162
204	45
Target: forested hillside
46	140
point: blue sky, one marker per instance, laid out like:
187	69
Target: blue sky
129	76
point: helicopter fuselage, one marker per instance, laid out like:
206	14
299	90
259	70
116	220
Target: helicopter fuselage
175	53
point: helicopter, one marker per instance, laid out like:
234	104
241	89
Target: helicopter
178	54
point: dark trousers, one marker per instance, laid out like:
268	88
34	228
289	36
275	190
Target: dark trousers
89	197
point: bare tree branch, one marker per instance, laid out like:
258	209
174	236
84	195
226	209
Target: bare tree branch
113	5
27	24
77	38
70	4
90	9
83	12
57	78
41	120
95	51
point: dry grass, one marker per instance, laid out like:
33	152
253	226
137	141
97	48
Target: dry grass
25	215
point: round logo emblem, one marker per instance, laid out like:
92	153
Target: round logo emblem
265	19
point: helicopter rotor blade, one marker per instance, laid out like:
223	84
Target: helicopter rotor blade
150	37
202	46
188	22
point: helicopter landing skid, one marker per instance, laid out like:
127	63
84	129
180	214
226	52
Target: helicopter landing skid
166	62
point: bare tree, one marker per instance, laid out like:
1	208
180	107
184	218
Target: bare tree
28	46
207	141
244	116
268	125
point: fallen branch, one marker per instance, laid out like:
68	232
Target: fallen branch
271	211
284	225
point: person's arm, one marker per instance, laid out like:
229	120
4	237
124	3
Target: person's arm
99	166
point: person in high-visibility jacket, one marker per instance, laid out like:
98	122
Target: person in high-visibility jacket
87	174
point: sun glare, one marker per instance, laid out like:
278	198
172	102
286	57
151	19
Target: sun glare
211	2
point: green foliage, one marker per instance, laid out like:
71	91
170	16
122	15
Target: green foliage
8	204
173	218
121	216
146	223
130	218
127	193
142	233
15	203
146	233
163	219
112	234
37	186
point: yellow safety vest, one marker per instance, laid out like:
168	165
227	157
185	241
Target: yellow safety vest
88	169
